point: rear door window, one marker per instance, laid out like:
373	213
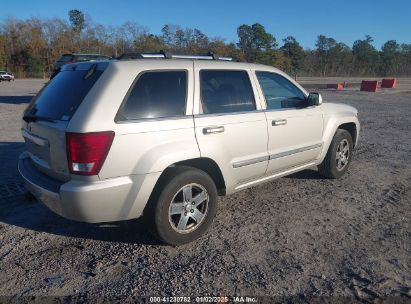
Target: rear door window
61	97
156	94
226	91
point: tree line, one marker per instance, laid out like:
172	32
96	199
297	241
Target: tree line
29	47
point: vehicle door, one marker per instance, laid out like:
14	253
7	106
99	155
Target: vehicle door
230	125
295	128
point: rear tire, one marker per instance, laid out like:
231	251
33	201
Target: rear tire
339	155
183	205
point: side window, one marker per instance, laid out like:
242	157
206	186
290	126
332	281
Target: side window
226	91
279	92
155	95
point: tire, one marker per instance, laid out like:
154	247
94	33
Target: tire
338	159
171	215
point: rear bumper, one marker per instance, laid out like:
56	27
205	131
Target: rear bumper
108	200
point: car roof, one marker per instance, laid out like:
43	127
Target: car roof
171	63
222	64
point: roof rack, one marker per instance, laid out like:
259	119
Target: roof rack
168	55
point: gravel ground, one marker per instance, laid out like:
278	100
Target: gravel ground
297	238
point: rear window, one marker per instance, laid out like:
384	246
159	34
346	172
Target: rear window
80	58
101	57
156	94
61	97
65	58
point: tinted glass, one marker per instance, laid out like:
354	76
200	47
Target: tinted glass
279	92
65	58
157	94
61	97
101	57
80	58
226	91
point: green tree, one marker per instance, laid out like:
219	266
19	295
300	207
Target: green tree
324	45
255	43
294	52
405	66
167	35
340	60
78	23
366	57
200	39
77	20
3	57
390	57
180	39
35	66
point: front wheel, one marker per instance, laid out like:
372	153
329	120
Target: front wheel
339	155
183	206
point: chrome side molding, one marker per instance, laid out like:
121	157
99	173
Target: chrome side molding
274	156
294	151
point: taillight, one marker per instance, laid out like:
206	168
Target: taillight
71	61
86	152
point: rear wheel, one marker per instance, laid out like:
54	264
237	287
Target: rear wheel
183	206
338	157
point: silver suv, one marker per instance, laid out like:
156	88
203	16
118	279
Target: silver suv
163	136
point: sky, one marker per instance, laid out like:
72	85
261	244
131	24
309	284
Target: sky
345	21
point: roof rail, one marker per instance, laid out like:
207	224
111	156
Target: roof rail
168	55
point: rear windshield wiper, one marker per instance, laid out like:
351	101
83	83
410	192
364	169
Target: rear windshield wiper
90	71
29	118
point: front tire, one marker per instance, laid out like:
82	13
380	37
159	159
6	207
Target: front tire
183	205
339	155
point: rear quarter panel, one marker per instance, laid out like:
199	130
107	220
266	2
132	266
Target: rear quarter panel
140	146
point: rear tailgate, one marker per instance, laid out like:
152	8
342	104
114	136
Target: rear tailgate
45	144
48	115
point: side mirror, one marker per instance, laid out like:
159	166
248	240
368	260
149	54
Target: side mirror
314	99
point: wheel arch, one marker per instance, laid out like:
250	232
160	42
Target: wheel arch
210	167
351	128
205	164
349	123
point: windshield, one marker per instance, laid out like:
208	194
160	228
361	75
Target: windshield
61	97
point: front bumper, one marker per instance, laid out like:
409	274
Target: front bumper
107	200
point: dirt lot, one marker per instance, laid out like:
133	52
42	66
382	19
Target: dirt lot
299	237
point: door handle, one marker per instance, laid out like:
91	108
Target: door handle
212	130
279	122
